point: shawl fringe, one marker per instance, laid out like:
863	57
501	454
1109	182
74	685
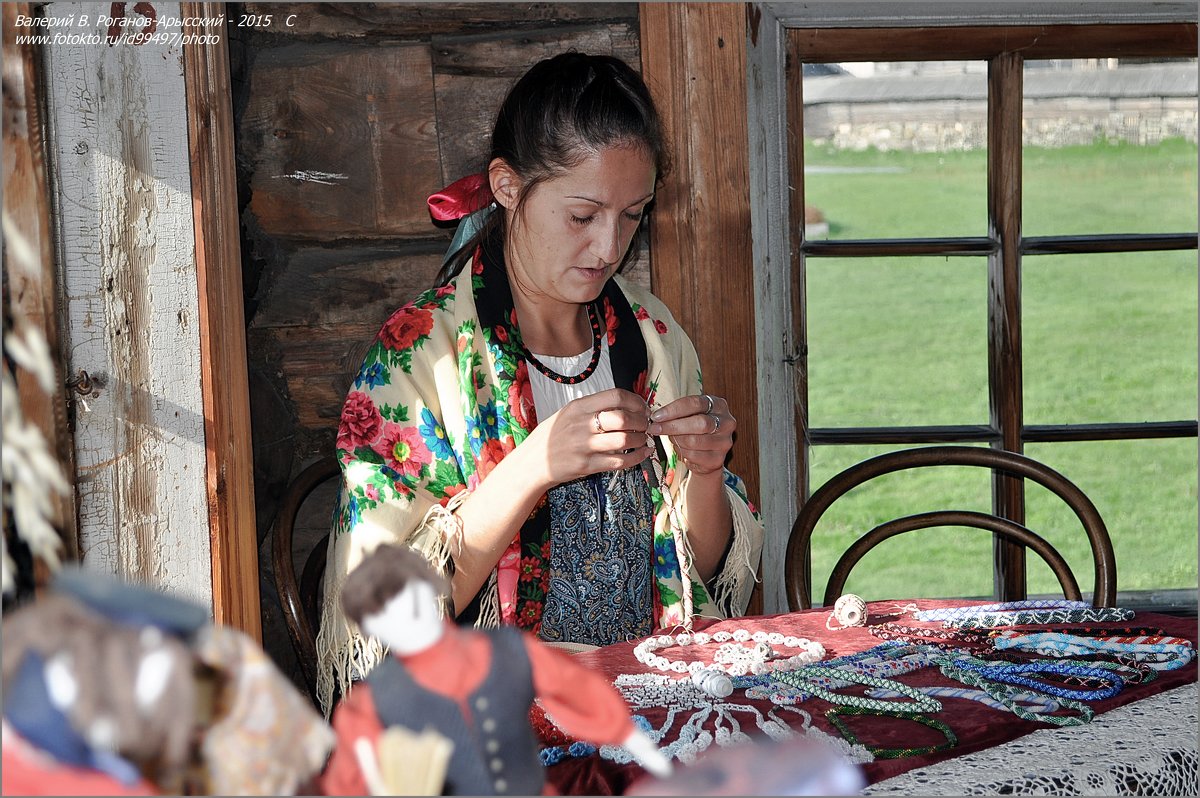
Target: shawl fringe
734	584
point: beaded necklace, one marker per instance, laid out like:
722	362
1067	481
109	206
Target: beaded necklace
757	659
955	613
1014	673
1007	694
931	636
800	678
1020	617
1034	700
835	717
883	661
1167	653
594	320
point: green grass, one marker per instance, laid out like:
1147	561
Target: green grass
1106	338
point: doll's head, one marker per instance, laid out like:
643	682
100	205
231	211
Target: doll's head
395	595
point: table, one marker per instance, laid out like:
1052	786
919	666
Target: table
1142	726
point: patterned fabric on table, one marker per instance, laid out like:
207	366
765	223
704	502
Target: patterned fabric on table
600	550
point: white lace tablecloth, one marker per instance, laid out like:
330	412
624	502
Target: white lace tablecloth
1144	748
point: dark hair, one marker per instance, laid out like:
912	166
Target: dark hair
562	110
383	574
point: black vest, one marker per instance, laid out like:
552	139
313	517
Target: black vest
496	753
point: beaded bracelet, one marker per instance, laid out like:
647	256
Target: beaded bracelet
801	678
955	613
835	717
1020	617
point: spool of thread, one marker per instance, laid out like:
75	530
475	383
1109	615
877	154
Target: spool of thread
848	610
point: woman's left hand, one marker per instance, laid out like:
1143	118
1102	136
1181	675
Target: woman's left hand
701	428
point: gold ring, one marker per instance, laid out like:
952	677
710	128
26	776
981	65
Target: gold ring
596	423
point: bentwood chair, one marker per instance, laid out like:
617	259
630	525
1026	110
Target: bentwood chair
797	568
301	598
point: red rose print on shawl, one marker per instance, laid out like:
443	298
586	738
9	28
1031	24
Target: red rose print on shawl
520	398
405	326
361	422
644	388
491	453
610	321
403	450
640	313
660	326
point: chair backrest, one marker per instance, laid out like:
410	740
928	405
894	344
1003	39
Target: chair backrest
301	598
798	564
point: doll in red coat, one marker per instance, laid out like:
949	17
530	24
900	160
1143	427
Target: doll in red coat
472	688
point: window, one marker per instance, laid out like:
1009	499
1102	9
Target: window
997	248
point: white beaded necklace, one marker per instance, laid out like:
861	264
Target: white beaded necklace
736	660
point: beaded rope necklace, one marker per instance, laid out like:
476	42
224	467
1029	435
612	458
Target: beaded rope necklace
594	320
1006	695
835	717
1034	700
954	613
1014	673
930	636
799	678
1166	653
760	658
883	661
1020	617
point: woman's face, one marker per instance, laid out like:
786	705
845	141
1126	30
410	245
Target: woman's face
573	230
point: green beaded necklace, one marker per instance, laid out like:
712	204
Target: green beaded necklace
835	717
797	678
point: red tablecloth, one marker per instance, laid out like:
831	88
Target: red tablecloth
976	726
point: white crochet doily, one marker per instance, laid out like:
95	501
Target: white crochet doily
1144	748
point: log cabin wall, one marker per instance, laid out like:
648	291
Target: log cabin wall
345	122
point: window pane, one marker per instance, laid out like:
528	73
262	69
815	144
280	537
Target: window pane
1109	150
896	150
949	561
1146	494
1110	337
897	341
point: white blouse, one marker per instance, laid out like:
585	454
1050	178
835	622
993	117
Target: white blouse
550	396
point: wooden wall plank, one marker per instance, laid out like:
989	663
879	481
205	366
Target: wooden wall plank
126	250
472	77
421	20
29	278
694	60
341	141
223	370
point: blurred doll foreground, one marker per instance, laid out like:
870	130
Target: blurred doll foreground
116	689
447	711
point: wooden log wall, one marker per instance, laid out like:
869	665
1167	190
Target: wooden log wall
345	122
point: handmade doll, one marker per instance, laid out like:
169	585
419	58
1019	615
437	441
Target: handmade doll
455	700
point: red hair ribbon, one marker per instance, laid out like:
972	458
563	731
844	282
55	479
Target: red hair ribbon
461	198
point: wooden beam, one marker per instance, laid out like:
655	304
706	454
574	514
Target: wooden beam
29	278
223	369
1005	399
694	60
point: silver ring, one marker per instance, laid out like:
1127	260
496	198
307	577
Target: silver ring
716	422
596	423
709	399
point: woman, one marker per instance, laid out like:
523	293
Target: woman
516	423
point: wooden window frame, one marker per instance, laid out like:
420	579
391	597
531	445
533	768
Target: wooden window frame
779	47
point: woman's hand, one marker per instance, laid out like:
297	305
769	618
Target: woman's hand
602	432
701	428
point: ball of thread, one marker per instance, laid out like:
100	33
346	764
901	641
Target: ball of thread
850	610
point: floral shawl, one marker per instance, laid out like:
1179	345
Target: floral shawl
442	396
